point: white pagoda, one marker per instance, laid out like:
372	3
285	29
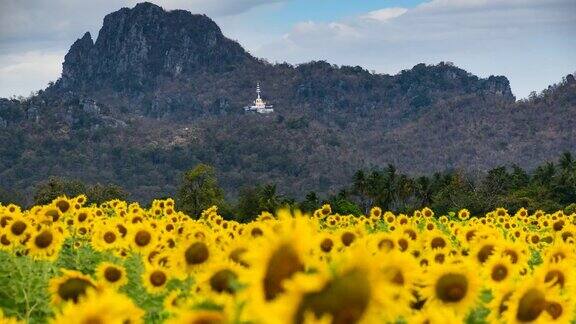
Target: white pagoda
259	105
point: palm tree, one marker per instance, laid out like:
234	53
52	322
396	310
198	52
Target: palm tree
567	162
268	197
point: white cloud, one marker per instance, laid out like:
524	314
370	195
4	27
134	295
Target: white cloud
20	74
385	14
212	7
529	41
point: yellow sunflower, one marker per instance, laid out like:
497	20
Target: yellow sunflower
70	286
451	285
111	275
107	306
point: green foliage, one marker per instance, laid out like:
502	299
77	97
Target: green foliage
550	187
254	200
199	190
24	288
54	187
10	197
49	190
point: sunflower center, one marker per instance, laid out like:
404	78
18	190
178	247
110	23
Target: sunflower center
73	288
196	253
558	256
485	252
44	239
503	303
4	221
530	305
283	263
93	320
142	238
398	277
557	276
256	232
122	229
470	235
566	236
112	274
63	205
403	243
326	245
554	309
345	299
499	272
439	258
348	238
438	242
386	244
4	240
512	254
236	256
411	234
54	214
18	227
452	287
222	281
82	217
158	278
109	237
558	225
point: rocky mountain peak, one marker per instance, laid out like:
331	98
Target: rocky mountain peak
135	47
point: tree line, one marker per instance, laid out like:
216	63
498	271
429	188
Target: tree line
549	187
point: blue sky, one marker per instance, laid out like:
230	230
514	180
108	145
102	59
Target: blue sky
529	41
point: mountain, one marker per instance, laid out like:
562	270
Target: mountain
160	91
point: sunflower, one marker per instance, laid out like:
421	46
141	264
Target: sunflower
436	240
451	285
483	249
107	306
111	275
63	204
175	301
46	242
499	270
106	236
276	259
560	252
5	243
198	316
376	212
18	228
557	275
499	303
531	302
141	237
353	290
400	271
236	252
191	256
155	279
463	214
70	286
221	278
427	212
515	251
324	211
430	315
82	216
325	245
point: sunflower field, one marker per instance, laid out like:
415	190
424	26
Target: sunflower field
118	262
